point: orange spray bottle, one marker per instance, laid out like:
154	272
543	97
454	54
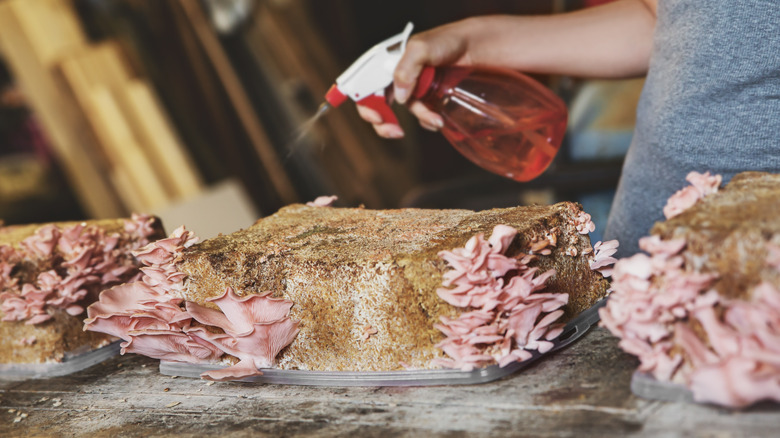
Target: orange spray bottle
500	119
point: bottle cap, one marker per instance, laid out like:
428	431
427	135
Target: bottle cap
334	96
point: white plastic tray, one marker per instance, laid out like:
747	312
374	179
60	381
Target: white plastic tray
72	362
573	330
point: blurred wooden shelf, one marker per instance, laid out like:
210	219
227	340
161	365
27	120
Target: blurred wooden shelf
108	129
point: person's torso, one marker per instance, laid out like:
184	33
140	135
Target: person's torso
711	102
712	94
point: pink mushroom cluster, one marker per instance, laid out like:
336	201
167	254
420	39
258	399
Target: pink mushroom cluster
153	319
702	184
725	350
584	223
733	359
507	317
650	293
78	259
603	261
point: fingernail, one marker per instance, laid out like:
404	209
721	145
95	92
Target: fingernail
401	95
394	131
432	124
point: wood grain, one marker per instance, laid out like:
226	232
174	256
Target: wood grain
582	391
272	163
159	140
116	135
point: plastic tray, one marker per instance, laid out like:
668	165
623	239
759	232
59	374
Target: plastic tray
573	331
72	362
646	386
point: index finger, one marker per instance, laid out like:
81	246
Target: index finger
408	69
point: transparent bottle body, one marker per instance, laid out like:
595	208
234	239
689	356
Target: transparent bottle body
502	120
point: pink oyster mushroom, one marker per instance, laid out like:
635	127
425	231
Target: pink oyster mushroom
171	345
256	328
602	257
702	184
737	360
584	223
323	201
509	318
148	315
84	256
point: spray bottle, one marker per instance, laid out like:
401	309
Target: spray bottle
500	119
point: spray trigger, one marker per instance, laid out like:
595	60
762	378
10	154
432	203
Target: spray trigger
366	80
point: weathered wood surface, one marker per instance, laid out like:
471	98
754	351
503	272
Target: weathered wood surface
582	391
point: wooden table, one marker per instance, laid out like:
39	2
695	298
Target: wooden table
581	391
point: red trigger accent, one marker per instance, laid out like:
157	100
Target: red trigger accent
334	96
380	105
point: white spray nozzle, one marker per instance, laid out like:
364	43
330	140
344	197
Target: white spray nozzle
373	71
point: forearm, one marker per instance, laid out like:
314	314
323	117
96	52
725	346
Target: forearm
610	41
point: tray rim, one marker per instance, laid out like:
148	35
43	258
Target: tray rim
646	386
72	362
573	330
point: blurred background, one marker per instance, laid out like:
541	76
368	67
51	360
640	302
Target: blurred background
195	110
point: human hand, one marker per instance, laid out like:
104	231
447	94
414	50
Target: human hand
444	45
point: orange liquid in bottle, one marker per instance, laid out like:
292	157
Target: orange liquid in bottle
502	120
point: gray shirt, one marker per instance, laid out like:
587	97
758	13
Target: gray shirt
711	102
